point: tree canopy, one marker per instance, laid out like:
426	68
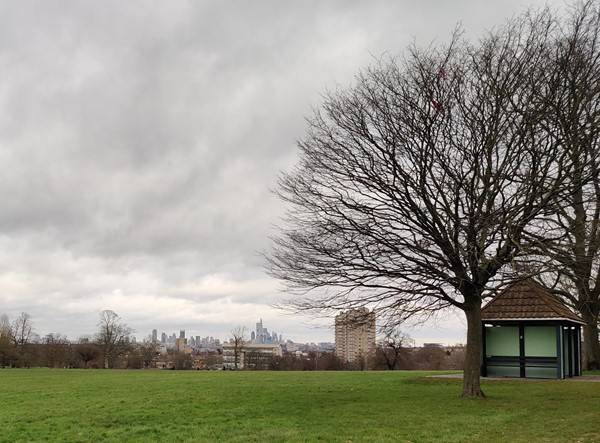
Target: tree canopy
416	187
113	337
566	255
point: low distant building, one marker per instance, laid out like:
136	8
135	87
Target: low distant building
207	359
355	332
251	355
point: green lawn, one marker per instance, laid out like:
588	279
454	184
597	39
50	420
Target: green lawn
180	406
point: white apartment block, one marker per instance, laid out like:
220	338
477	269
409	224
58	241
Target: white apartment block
251	355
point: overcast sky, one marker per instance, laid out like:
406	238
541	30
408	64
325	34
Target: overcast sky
140	142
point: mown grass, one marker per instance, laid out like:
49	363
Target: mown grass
144	406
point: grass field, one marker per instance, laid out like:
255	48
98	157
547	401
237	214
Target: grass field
187	406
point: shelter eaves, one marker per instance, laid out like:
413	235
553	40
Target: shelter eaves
527	300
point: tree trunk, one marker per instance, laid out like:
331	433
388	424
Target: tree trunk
472	371
390	362
591	346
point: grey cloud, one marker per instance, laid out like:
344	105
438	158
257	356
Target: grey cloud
139	142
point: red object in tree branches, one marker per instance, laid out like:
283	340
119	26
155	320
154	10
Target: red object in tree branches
437	107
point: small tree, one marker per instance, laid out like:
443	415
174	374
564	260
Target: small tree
7	348
431	357
253	360
113	337
181	360
148	350
392	346
328	361
238	339
56	351
21	333
213	361
22	329
87	352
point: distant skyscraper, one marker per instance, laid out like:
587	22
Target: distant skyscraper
154	335
163	338
260	333
182	333
355	335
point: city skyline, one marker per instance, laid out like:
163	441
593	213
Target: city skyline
439	331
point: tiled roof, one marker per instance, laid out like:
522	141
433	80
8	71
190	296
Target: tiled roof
527	300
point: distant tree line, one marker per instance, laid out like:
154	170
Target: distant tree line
424	358
113	347
431	357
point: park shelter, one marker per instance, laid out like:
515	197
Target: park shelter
530	333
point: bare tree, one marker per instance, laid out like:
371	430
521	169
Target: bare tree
392	346
7	349
430	358
148	349
255	360
238	338
182	360
328	361
212	361
56	351
87	352
414	187
5	328
113	337
22	331
570	256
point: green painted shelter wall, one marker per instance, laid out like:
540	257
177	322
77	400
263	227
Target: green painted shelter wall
502	341
540	341
549	372
502	371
